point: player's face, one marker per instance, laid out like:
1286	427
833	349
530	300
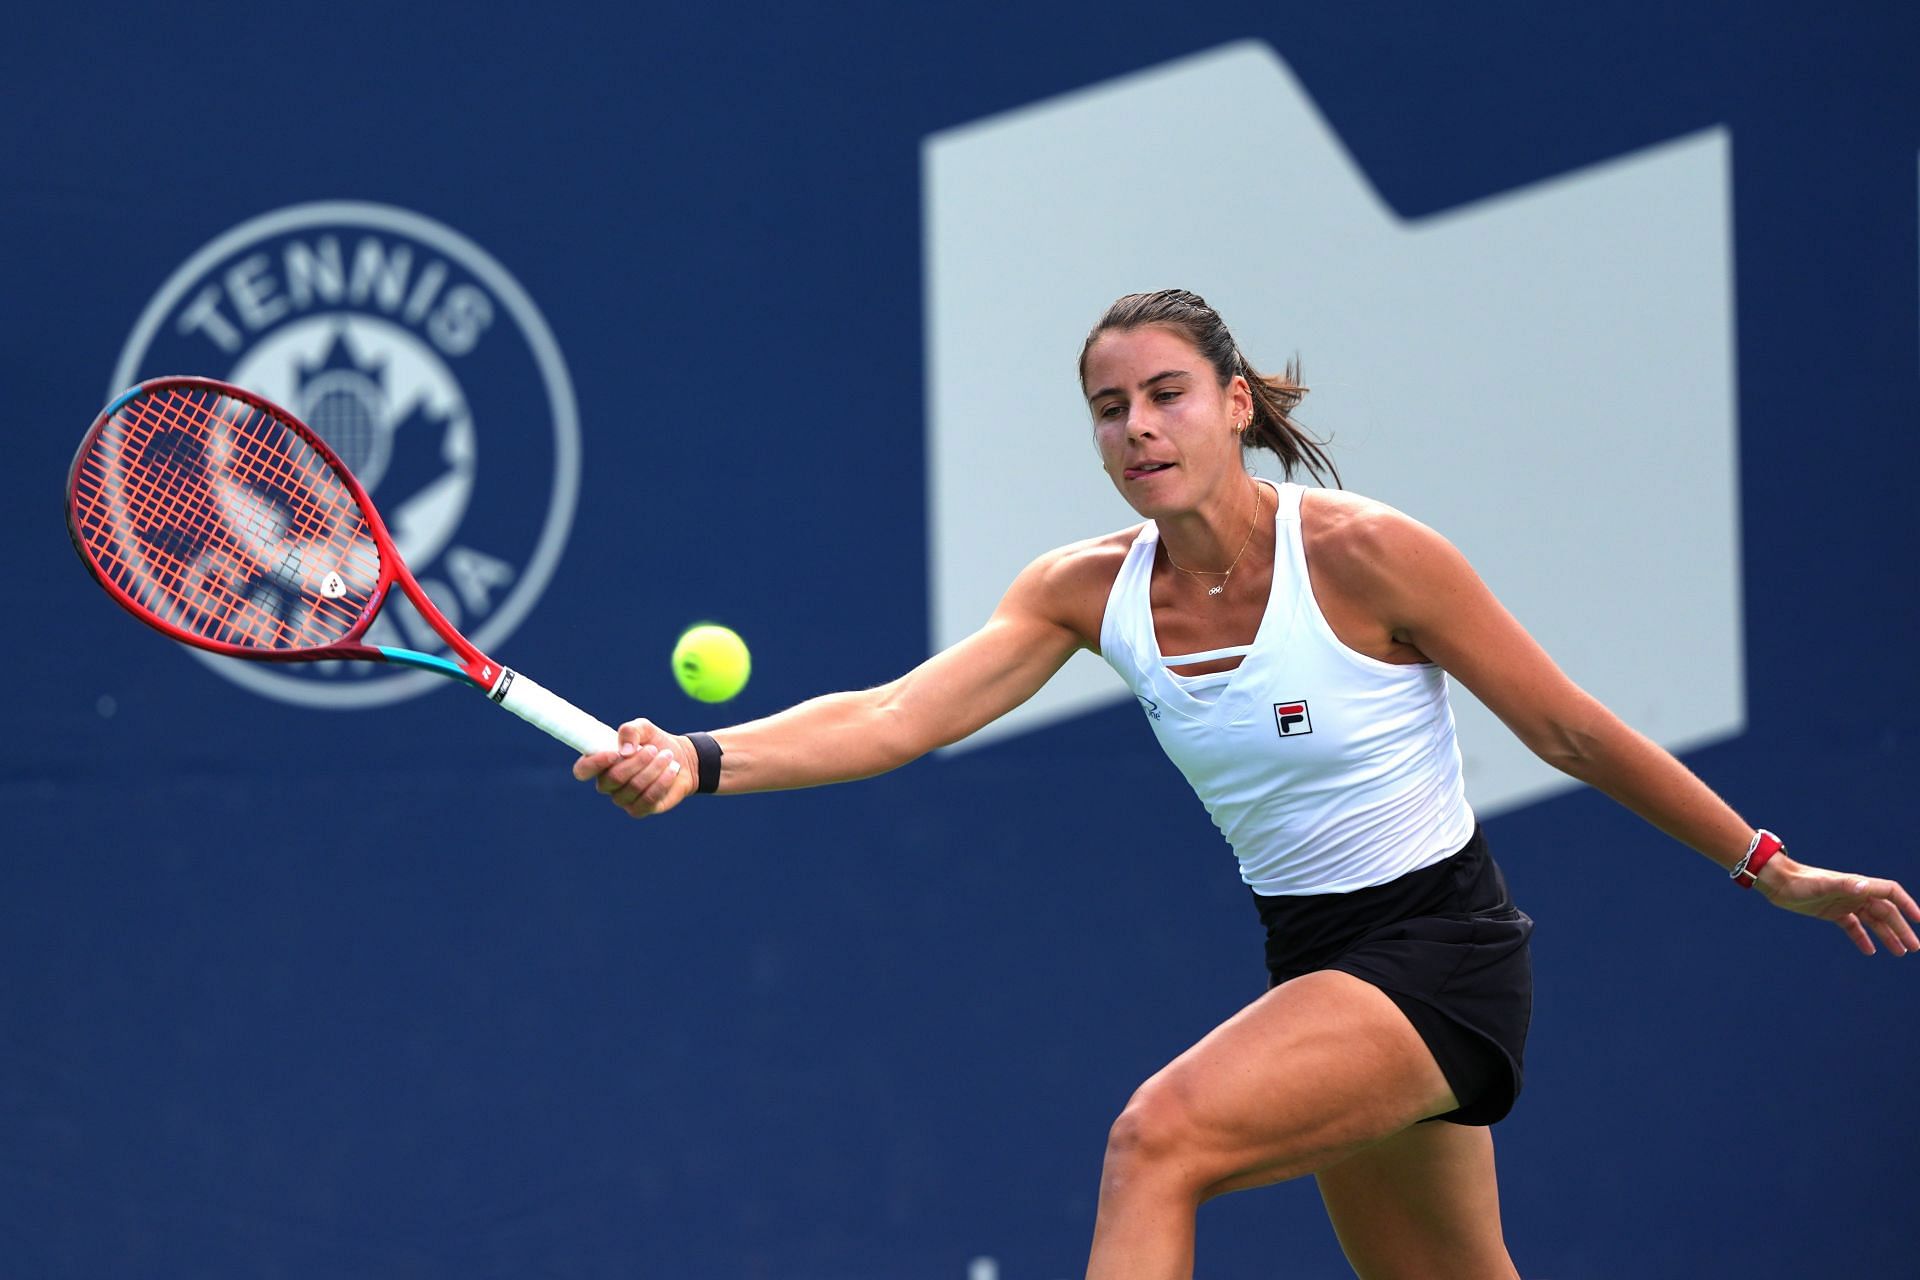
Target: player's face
1162	421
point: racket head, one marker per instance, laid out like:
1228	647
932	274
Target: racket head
220	519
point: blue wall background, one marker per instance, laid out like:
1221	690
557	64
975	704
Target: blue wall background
432	1011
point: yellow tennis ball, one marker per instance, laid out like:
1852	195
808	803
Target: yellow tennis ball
711	662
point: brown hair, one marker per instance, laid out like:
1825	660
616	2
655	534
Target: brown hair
1274	397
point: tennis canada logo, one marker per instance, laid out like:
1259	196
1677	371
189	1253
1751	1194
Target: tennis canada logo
432	374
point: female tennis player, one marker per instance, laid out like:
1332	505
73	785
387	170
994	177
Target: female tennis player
1292	647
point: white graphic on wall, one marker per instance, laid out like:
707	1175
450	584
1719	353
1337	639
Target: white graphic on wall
1546	376
429	370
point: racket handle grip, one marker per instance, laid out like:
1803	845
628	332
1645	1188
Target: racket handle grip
554	714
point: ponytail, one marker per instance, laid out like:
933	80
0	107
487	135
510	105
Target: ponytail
1274	399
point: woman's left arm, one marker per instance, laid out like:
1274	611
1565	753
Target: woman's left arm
1429	596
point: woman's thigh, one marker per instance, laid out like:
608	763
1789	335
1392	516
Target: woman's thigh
1424	1203
1314	1070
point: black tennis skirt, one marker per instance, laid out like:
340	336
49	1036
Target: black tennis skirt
1448	946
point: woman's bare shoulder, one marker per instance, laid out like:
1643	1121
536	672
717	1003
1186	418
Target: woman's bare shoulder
1350	533
1093	557
1377	556
1071	583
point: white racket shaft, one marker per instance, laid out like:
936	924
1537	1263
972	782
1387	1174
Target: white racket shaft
552	713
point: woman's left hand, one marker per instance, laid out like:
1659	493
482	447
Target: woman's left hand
1854	902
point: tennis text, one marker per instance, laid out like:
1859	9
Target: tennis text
251	294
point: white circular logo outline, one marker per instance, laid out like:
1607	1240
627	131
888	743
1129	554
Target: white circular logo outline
533	580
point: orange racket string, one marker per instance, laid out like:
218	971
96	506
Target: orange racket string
276	461
185	512
143	500
220	520
313	492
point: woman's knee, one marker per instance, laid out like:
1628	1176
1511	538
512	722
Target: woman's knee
1157	1132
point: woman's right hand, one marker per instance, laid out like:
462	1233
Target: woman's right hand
650	772
1855	902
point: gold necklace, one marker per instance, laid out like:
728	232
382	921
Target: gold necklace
1225	575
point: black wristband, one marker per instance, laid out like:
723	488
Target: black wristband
706	754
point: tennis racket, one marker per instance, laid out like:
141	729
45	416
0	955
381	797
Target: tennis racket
220	519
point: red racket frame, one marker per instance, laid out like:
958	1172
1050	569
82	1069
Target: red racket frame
472	666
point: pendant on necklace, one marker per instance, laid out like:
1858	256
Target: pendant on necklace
1214	591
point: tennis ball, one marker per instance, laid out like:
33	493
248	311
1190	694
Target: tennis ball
711	662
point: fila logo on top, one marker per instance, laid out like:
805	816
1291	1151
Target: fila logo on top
1545	376
431	373
1292	718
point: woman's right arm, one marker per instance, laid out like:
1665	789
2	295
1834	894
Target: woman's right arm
1050	611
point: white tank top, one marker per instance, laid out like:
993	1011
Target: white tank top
1326	770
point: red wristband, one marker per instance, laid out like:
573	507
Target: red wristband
1747	870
